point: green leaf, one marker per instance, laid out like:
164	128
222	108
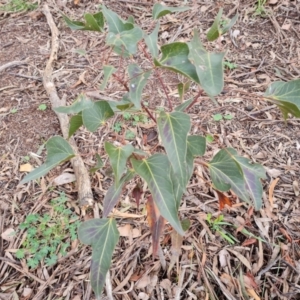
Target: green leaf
209	138
252	174
217	117
228	117
98	165
175	57
196	145
118	158
214	31
93	22
227	174
58	151
115	23
209	66
96	115
75	123
161	10
151	41
173	129
183	106
156	172
286	95
127	40
114	192
81	103
227	27
108	71
103	236
138	80
42	107
182	89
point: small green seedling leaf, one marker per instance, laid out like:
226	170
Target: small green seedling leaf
138	80
103	236
228	117
75	123
209	66
209	138
229	25
93	22
161	10
175	57
214	31
108	71
58	151
96	115
114	192
42	107
13	110
217	117
118	158
286	95
173	129
98	165
153	170
151	41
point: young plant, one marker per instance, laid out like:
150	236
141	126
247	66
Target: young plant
167	173
14	6
48	235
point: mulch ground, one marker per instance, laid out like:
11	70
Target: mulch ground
264	48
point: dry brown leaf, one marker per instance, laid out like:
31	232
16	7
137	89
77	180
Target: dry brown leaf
273	172
143	282
273	1
249	242
26	293
242	258
64	179
8	234
271	191
296	187
252	293
124	215
223	200
26	168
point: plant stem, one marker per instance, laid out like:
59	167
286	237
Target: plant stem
165	90
121	82
195	99
148	112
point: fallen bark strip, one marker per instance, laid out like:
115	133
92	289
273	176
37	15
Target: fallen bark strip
12	64
85	195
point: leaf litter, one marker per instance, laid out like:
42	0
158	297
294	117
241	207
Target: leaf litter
259	135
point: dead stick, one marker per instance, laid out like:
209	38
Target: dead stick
12	64
85	195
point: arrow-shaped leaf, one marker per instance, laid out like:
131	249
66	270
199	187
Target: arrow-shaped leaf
175	57
58	151
286	95
161	10
93	22
96	115
81	103
197	145
103	236
214	31
138	80
227	174
115	23
209	66
154	171
127	40
173	129
151	41
75	123
108	71
118	158
252	174
114	192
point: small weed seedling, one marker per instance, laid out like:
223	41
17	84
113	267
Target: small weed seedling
14	6
14	110
229	65
217	225
42	107
48	235
219	117
260	8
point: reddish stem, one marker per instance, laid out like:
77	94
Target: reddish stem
165	90
195	100
148	112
